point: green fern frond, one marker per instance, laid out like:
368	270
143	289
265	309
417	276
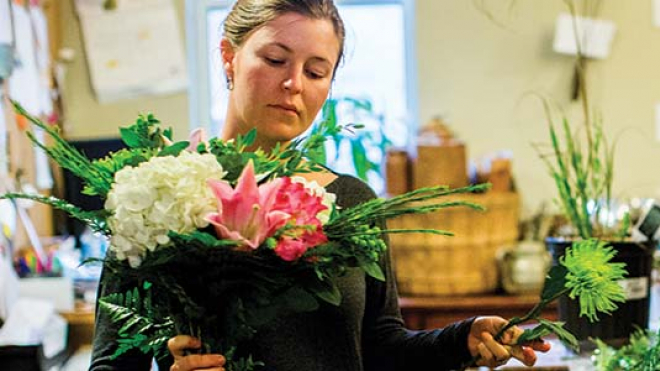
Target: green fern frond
138	327
68	156
96	220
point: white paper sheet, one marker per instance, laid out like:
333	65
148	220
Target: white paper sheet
595	36
4	148
43	175
145	56
42	53
5	23
24	82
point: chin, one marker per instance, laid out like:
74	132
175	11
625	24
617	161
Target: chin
283	133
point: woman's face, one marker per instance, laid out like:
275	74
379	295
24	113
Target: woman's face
281	76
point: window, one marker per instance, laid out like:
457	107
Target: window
375	85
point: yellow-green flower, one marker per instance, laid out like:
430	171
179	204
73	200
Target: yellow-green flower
593	278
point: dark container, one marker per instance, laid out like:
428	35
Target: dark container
614	329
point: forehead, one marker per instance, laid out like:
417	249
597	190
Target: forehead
300	34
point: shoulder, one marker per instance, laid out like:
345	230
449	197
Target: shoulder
350	190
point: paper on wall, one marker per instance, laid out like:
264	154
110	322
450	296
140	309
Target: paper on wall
5	23
24	82
145	56
4	143
595	36
42	55
43	176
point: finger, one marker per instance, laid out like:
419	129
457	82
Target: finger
511	335
499	351
524	354
200	361
180	343
539	345
487	358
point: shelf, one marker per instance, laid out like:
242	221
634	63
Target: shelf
434	312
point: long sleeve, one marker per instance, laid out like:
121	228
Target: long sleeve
387	343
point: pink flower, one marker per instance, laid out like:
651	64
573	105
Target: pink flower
300	202
291	248
305	230
197	136
247	213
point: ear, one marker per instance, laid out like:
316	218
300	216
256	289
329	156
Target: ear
227	52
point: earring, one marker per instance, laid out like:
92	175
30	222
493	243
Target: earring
230	84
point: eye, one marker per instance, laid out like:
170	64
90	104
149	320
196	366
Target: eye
316	75
274	61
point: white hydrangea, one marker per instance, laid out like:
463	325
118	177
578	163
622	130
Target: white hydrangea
328	199
161	195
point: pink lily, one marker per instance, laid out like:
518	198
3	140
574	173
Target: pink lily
246	213
197	136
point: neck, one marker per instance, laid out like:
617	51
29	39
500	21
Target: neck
231	130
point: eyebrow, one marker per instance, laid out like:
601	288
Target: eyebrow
289	50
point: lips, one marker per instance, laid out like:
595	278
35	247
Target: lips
286	107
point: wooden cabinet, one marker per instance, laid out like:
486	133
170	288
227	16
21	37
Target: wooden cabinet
434	312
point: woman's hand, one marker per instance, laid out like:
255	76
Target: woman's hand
492	353
178	346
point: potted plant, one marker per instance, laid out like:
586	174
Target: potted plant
581	165
358	147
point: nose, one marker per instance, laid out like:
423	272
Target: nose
293	82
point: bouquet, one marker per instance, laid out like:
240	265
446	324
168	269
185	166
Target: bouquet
273	242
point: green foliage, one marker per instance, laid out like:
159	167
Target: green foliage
545	328
555	283
641	354
582	173
144	138
145	133
281	161
359	141
67	156
96	220
139	326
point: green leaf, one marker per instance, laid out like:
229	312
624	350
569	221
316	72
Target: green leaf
167	133
555	282
248	139
327	291
360	160
174	149
536	333
129	137
545	328
373	269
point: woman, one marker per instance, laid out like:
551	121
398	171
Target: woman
280	57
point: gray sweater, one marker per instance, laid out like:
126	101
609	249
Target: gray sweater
365	332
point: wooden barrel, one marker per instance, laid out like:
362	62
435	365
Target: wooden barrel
466	263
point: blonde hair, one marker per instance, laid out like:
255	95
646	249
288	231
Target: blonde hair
248	15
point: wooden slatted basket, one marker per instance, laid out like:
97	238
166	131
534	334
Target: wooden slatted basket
433	265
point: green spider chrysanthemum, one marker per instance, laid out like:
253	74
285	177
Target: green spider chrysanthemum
593	278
